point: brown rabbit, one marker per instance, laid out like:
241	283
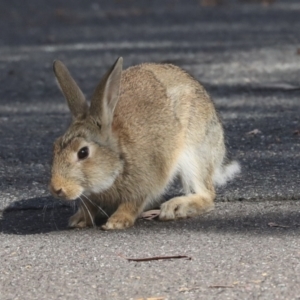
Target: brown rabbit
144	127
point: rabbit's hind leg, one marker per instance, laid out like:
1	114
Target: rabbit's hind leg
197	184
186	206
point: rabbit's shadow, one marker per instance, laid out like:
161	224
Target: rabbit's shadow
44	215
35	215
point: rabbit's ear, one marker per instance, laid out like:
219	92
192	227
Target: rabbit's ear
74	96
106	95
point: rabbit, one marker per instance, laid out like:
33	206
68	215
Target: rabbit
145	126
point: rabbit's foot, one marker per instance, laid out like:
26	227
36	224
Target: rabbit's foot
186	206
119	221
124	216
81	219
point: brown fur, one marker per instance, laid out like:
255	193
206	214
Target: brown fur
146	125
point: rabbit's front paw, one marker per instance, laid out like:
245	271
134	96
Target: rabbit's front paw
79	220
119	221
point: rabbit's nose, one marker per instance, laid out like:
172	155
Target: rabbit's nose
58	192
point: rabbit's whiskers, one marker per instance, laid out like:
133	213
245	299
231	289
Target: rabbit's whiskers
96	205
44	211
92	220
73	206
52	215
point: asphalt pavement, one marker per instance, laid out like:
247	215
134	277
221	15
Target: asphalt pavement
247	55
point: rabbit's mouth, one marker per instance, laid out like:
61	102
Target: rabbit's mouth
65	192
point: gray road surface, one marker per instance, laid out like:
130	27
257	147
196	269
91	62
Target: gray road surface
245	54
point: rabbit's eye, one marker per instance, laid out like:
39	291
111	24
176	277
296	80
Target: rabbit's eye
83	153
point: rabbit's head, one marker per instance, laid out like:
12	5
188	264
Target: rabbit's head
86	158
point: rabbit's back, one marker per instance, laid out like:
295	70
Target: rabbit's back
162	101
162	111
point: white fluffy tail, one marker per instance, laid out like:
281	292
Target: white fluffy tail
226	173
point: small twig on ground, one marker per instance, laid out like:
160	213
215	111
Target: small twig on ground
157	258
296	132
152	298
220	286
254	132
186	289
272	224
